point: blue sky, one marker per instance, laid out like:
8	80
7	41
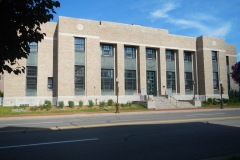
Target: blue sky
218	18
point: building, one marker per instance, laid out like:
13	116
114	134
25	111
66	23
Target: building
81	60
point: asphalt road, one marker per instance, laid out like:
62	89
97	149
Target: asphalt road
155	135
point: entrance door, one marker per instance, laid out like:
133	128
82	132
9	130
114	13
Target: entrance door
151	83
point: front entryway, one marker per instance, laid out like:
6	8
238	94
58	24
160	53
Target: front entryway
151	83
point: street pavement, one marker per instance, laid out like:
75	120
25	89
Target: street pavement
191	134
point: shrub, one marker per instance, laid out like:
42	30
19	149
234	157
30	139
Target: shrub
210	100
110	102
47	105
61	104
33	108
80	103
1	94
129	104
71	104
225	100
122	105
102	103
90	103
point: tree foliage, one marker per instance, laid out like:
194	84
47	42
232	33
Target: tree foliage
236	72
21	24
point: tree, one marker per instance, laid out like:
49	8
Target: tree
236	72
20	25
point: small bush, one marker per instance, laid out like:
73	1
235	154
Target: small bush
33	108
71	104
80	103
47	105
110	102
90	103
122	105
1	94
225	100
61	104
129	104
214	101
102	104
210	100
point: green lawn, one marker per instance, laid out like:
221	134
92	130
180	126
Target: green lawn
12	111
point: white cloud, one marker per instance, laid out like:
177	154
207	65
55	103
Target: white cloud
218	31
163	12
203	22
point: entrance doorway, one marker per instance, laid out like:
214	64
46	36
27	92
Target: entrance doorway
151	83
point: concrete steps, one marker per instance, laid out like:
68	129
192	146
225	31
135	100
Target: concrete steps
165	103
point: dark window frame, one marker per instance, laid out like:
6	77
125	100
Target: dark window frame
31	78
107	79
130	79
79	78
50	83
170	55
215	81
187	57
33	46
171	83
151	53
188	81
129	52
214	56
106	50
79	44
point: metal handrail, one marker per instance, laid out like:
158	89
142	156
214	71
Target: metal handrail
176	101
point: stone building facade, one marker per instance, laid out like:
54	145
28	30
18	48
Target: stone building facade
81	60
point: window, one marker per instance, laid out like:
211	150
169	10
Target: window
171	80
31	78
107	50
130	80
151	53
33	47
79	44
187	57
170	55
214	56
188	81
107	80
79	77
227	60
130	52
215	81
50	83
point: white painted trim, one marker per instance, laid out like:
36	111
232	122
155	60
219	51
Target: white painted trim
78	35
147	45
49	38
231	55
212	49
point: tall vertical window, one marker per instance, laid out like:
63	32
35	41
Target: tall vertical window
130	80
187	57
214	55
188	81
33	47
228	73
169	55
79	78
171	80
31	78
215	81
151	53
107	50
79	44
107	80
50	83
130	52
